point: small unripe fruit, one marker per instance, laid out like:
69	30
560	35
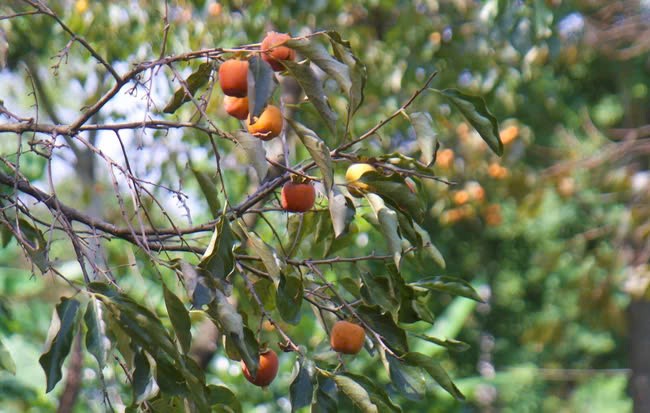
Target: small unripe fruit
347	337
354	173
297	197
267	370
268	125
272	54
233	77
236	107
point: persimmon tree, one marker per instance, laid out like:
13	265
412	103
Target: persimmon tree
249	268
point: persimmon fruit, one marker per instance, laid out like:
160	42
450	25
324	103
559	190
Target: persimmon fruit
297	197
267	370
233	77
236	107
347	337
268	125
354	173
272	52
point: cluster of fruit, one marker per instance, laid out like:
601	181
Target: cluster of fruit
345	337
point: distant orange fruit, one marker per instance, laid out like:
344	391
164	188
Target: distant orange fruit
445	158
236	107
233	77
267	370
272	52
268	125
297	197
347	337
509	134
461	197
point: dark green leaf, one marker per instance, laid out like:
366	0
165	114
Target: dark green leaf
302	387
381	322
194	82
319	152
144	385
246	349
209	189
477	113
326	397
289	298
394	191
408	380
64	322
313	88
435	370
222	395
422	310
261	83
425	135
34	244
170	379
179	317
265	289
378	290
255	153
5	235
450	285
6	362
429	248
218	259
96	341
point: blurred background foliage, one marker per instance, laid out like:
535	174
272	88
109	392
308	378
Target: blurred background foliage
555	234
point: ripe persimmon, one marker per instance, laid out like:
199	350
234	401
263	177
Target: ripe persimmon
267	370
347	337
272	52
236	107
297	197
233	77
268	125
354	173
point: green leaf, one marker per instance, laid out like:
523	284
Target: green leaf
265	289
144	385
377	395
449	343
255	153
313	88
246	348
6	362
302	387
429	248
341	211
289	298
381	322
478	115
378	290
222	395
394	191
218	259
179	317
435	370
425	135
34	244
261	84
301	226
64	323
269	256
319	152
326	396
408	380
170	379
198	284
387	219
209	189
196	80
450	285
356	393
5	235
97	342
318	54
358	72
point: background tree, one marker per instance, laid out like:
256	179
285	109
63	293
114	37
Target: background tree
552	234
